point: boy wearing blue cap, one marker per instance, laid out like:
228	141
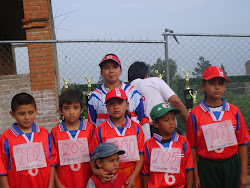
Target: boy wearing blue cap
168	158
106	157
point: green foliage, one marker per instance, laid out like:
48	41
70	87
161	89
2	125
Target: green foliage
161	66
201	66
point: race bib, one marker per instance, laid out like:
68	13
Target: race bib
129	145
73	151
219	135
29	156
165	160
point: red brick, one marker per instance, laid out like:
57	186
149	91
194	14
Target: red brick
50	86
48	37
40	11
25	8
47	75
28	12
34	38
40	3
37	63
33	67
38	80
49	66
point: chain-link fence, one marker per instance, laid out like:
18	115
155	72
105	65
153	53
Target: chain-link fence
180	51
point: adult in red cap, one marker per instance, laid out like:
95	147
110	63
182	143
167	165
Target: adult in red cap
111	71
218	136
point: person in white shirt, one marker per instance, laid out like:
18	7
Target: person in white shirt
153	89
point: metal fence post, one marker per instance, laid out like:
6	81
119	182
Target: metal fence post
166	57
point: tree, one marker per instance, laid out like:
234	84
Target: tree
223	68
160	65
201	66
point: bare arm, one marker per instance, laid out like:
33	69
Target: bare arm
58	184
243	164
132	178
145	181
189	178
51	177
4	182
176	102
197	183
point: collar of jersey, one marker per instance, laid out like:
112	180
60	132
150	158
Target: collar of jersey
17	132
106	90
127	124
174	137
63	128
205	108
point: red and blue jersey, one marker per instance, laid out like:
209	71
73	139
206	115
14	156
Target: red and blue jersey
162	179
38	177
202	115
118	181
76	175
108	130
97	111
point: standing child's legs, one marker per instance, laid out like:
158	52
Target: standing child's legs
219	173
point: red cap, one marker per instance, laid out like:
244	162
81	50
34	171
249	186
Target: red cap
118	93
213	72
111	57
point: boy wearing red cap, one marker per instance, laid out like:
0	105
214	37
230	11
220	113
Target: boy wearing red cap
97	112
218	136
125	133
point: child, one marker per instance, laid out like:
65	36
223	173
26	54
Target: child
106	157
218	136
27	157
97	111
168	160
125	133
72	138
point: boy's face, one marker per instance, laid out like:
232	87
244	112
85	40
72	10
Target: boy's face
111	71
71	112
25	117
109	164
166	125
215	88
117	107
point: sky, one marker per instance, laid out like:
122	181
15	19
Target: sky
147	19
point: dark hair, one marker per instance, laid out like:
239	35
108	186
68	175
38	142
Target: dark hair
101	65
22	99
71	96
137	70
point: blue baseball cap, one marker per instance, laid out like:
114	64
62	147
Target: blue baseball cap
105	150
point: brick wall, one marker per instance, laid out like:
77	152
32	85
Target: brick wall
38	24
10	86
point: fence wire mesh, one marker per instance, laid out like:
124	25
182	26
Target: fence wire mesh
191	53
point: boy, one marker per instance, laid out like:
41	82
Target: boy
106	157
168	158
72	138
27	157
218	136
125	133
97	111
